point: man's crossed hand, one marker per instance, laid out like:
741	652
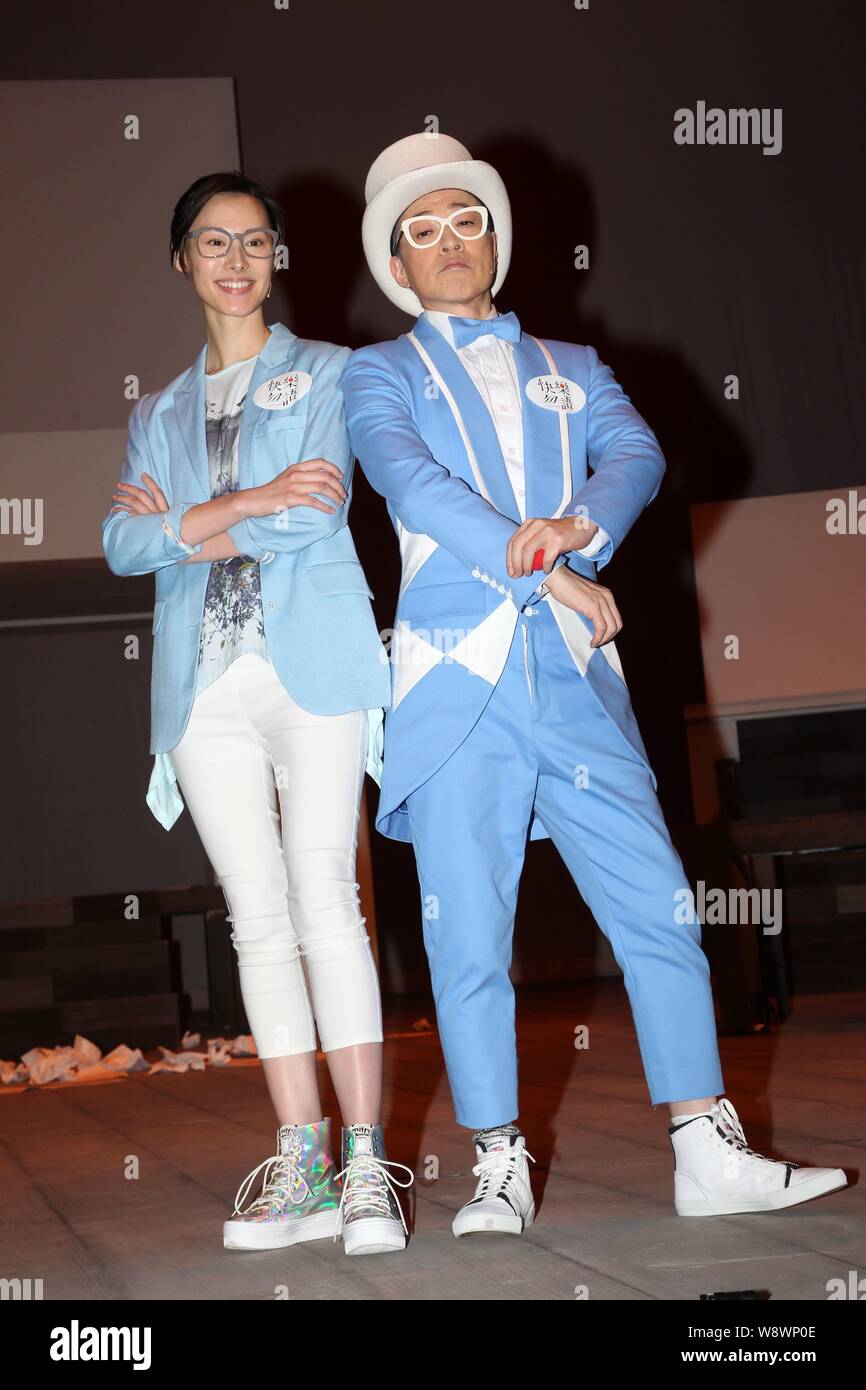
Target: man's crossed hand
555	536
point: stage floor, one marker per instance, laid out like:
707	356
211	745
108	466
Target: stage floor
605	1225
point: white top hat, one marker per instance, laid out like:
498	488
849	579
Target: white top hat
404	171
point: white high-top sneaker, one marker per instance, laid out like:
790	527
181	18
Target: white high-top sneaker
717	1174
503	1202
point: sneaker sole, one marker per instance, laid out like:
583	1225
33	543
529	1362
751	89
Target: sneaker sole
243	1235
371	1235
496	1224
773	1201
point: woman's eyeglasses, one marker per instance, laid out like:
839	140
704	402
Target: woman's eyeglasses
216	241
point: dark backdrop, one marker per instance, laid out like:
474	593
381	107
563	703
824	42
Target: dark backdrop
704	261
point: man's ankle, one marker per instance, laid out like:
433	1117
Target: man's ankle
481	1134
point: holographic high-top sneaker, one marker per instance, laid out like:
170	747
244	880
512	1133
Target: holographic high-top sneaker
371	1218
300	1197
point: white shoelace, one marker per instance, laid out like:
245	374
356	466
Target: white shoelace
366	1169
284	1164
729	1119
492	1163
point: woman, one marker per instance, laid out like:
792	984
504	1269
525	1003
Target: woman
267	691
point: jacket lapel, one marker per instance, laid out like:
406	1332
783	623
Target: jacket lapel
474	417
545	439
546	454
189	412
189	402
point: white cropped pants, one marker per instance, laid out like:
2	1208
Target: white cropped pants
288	879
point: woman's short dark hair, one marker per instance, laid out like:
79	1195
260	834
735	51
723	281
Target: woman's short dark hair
396	233
190	204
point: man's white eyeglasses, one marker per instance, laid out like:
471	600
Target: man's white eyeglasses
426	230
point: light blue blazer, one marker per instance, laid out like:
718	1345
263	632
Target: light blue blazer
425	439
319	625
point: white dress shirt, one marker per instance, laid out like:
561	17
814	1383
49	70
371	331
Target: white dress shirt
490	363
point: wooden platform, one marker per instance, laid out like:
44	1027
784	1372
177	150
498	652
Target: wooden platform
603	1177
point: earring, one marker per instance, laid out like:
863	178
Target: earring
268	295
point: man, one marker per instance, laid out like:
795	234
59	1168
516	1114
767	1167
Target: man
510	715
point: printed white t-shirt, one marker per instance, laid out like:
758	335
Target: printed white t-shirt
232	623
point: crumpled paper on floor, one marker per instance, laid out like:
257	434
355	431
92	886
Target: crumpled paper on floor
12	1073
220	1052
178	1062
84	1062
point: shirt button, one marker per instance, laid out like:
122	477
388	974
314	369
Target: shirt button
271	606
520	492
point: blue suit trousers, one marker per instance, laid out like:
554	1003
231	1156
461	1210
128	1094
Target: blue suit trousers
543	741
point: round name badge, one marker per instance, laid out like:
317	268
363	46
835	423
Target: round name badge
556	393
282	391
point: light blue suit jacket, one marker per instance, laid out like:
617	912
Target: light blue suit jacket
425	440
319	625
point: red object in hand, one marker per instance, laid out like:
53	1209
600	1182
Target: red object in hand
538	559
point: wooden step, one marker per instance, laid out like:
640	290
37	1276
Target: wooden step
28	1028
116	932
32	992
76	960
